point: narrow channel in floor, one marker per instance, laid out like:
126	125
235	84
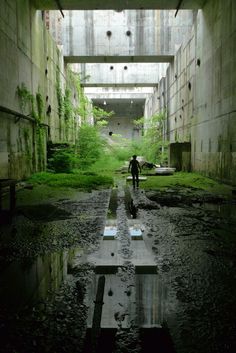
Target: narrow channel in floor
126	298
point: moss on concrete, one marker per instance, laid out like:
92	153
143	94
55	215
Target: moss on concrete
40	194
189	180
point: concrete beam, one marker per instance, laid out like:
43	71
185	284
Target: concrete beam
121	94
117	4
127	36
120	75
120	59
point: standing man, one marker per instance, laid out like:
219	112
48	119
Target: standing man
135	168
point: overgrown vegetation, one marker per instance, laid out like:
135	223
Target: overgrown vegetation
59	94
34	106
188	180
87	145
75	180
152	144
63	161
80	125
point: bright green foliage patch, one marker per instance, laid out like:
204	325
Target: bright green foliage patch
152	145
192	180
78	181
63	161
89	145
105	165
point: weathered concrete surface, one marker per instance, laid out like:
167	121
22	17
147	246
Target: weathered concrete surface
180	156
30	57
125	112
104	93
126	74
111	36
126	102
199	92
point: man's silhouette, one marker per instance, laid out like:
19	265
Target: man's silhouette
134	166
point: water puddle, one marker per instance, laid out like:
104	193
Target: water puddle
224	210
150	341
44	212
28	281
135	229
132	306
124	296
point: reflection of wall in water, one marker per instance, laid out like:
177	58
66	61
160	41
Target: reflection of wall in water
149	300
27	281
141	302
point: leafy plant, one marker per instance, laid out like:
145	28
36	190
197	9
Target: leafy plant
63	161
151	145
89	145
68	106
100	116
139	123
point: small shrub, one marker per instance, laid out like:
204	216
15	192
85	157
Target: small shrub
63	161
89	144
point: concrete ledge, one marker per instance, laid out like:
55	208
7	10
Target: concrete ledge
141	178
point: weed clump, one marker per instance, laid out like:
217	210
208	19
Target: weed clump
73	180
63	161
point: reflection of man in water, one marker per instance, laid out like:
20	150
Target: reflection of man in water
135	168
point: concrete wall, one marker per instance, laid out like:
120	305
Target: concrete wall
125	74
199	92
96	36
123	126
125	111
213	131
28	56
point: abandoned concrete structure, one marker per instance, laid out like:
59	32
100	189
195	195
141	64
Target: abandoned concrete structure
92	262
183	51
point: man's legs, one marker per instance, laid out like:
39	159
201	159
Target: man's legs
137	180
133	175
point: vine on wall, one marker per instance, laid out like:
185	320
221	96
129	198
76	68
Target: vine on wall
74	119
35	106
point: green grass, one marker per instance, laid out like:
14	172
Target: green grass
76	180
50	187
181	179
105	166
43	193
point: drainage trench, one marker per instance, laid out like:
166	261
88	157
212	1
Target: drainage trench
132	310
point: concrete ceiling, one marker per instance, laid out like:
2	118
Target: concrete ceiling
117	4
